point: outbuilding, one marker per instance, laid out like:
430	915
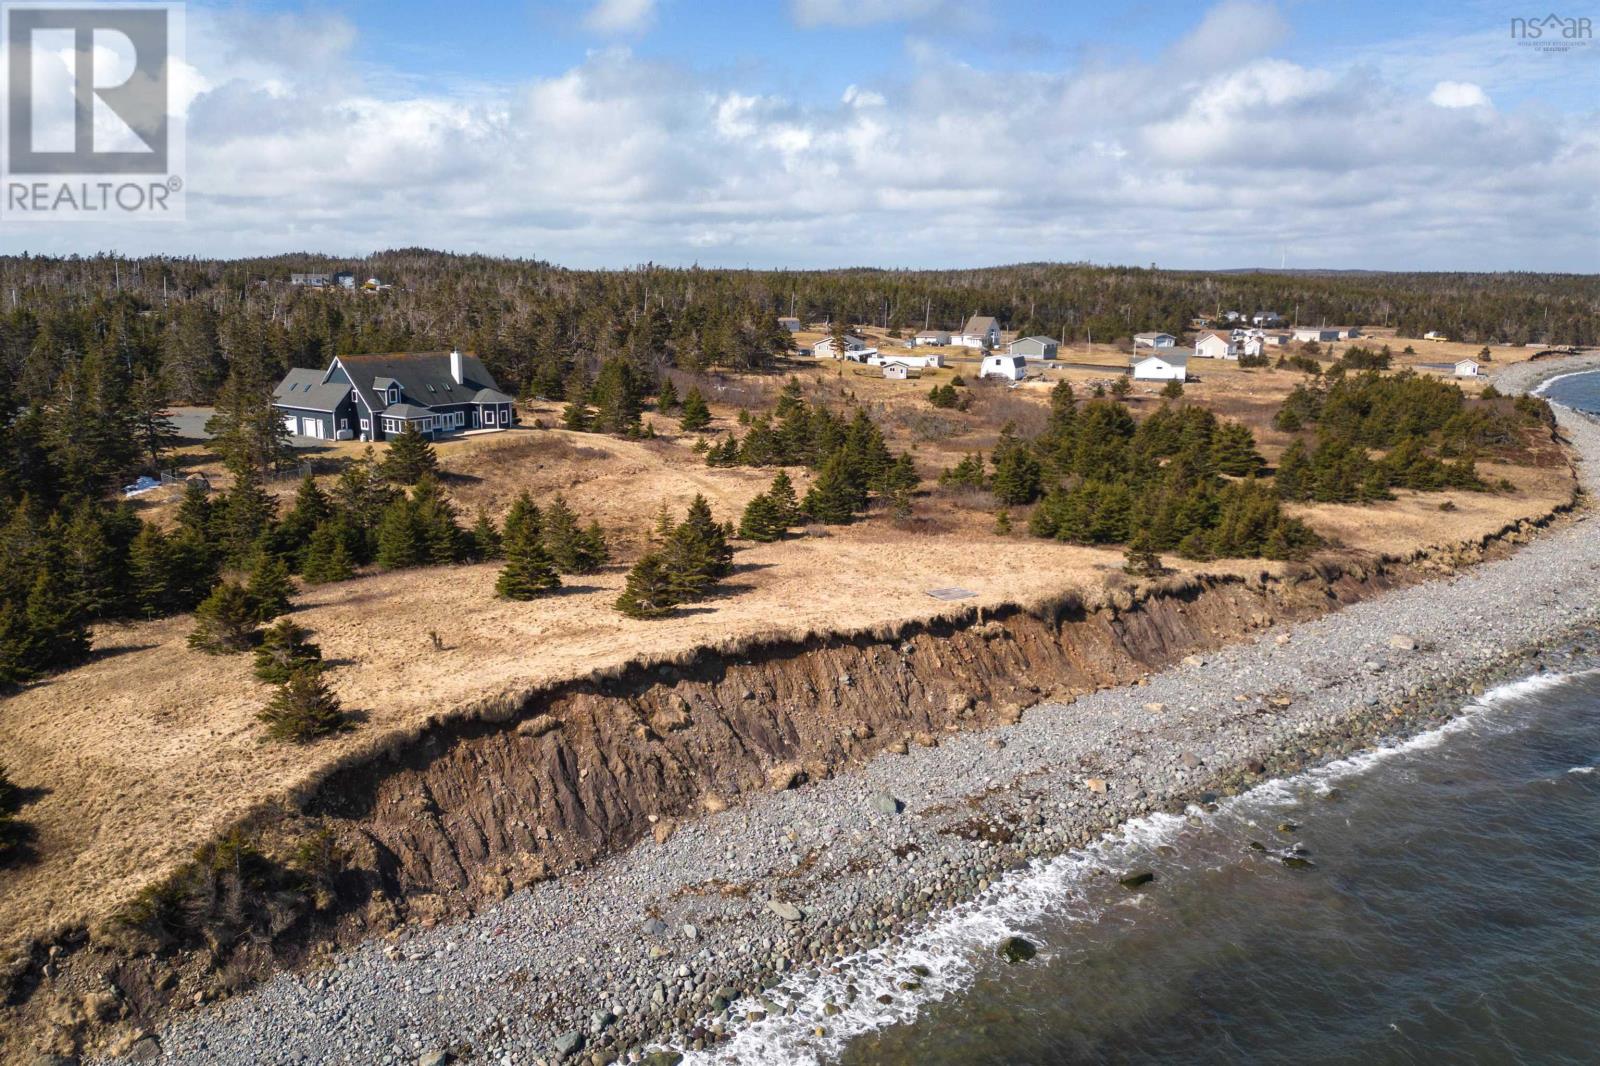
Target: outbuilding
1467	368
938	338
1009	367
1154	340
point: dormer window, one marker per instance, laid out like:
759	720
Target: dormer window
394	394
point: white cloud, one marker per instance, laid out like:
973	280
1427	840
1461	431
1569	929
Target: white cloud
620	16
1232	31
621	159
1458	94
857	13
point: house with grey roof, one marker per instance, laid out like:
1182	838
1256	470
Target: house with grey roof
981	331
1154	340
373	397
1034	347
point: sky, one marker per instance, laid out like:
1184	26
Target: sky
892	133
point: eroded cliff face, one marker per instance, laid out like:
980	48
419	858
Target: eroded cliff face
474	810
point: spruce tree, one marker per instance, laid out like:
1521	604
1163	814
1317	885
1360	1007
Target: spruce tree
783	498
562	537
761	520
1294	476
150	573
402	542
649	591
485	539
436	517
327	559
528	572
410	456
270	587
12	833
833	498
225	622
58	636
697	554
523	521
246	518
667	396
696	414
593	552
618	397
285	649
94	570
1141	559
303	709
1233	450
194	512
311	508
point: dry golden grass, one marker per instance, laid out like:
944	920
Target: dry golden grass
152	748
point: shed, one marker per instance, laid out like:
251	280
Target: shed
1154	340
1034	347
1009	367
1168	366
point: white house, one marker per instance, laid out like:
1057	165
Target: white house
1034	347
897	370
853	346
1275	340
1310	333
1213	344
979	332
936	337
1349	332
1010	367
1154	340
1466	368
1233	316
1266	318
1168	366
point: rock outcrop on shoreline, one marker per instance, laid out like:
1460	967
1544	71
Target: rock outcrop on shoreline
655	943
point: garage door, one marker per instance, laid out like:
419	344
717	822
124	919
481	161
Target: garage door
311	427
291	423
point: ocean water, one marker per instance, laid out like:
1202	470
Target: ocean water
1580	390
1435	901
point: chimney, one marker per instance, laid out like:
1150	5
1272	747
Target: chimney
455	367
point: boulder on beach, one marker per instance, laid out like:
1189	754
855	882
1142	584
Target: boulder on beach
1016	949
785	910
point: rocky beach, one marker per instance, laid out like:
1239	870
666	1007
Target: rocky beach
671	947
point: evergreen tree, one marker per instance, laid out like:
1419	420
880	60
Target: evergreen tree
150	573
436	517
523	521
402	542
410	456
1173	389
696	553
593	552
667	396
967	473
1141	559
270	587
303	709
528	571
618	396
1294	475
285	649
784	500
245	516
696	414
790	399
246	429
12	833
834	498
363	498
225	622
327	558
762	520
194	512
93	567
649	590
1018	476
1233	451
311	508
149	420
485	539
58	636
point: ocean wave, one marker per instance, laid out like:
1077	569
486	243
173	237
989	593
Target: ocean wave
943	956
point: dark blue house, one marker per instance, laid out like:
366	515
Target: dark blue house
370	397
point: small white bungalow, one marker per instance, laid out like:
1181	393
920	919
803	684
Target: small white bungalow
1154	340
1467	368
1168	366
938	338
1214	344
1275	340
1349	332
1034	347
915	362
896	370
1009	367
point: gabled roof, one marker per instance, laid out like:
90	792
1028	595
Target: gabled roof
1226	337
1151	336
423	377
1039	340
980	324
933	333
490	396
304	389
1172	357
406	410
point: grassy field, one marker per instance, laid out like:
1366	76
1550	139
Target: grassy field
152	748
